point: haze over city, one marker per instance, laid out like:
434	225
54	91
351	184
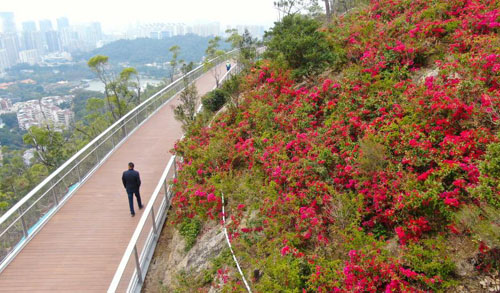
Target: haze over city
125	13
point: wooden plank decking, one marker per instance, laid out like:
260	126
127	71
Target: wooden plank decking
80	247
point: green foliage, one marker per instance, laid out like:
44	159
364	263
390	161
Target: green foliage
49	145
12	137
146	50
373	156
42	75
489	188
185	112
246	44
10	120
482	222
121	92
174	50
213	51
283	273
189	228
233	87
214	100
430	257
17	178
297	43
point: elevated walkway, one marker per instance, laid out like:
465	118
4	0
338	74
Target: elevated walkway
79	240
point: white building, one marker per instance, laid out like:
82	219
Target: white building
37	113
4	59
29	56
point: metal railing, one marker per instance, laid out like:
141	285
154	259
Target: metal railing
131	271
20	223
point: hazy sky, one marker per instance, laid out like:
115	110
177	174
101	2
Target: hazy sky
115	14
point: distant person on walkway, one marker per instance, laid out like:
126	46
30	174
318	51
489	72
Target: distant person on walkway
228	65
132	182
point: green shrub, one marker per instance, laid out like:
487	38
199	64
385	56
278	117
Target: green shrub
430	257
297	42
189	229
214	100
482	222
490	176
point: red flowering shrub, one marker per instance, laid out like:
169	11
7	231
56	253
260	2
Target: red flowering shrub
321	178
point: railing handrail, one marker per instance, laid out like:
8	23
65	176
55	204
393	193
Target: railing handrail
73	158
145	215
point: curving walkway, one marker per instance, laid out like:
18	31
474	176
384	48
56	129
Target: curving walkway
79	249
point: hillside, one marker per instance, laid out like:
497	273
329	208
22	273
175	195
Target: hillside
362	157
146	50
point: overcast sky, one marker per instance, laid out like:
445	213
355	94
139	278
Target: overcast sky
115	14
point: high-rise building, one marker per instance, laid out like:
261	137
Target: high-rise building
29	56
32	40
4	60
62	23
45	25
96	28
53	41
7	22
29	26
165	34
154	35
92	34
10	42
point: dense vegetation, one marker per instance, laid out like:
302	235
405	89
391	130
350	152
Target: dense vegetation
45	74
145	50
375	170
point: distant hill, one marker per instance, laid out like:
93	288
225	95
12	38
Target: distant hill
145	50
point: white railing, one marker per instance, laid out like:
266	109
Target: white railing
20	223
131	272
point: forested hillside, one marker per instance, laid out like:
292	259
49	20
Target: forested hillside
363	155
146	50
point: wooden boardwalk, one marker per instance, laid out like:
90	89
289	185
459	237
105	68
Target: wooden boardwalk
80	247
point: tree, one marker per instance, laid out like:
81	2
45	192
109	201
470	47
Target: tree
94	123
232	86
246	44
328	11
17	178
297	43
211	53
291	7
119	91
49	145
185	112
174	62
10	120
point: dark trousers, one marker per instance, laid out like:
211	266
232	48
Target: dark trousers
131	200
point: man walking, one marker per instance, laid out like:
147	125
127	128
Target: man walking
132	182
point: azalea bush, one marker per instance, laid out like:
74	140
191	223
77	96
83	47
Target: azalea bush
353	182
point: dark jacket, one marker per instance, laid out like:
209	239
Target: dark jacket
131	180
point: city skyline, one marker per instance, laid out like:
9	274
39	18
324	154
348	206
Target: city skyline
127	13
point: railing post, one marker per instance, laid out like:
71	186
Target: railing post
23	223
166	189
79	172
175	168
136	120
113	140
155	229
138	265
55	196
97	155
